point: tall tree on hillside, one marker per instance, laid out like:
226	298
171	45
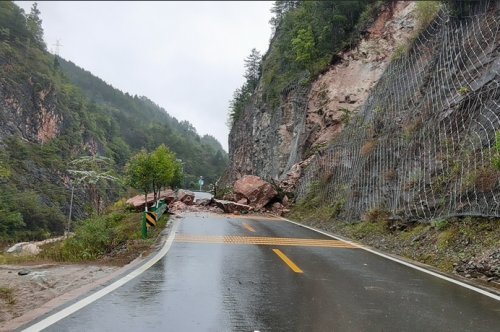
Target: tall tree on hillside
34	24
93	171
279	9
253	69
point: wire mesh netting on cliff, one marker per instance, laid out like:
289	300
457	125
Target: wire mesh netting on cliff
423	145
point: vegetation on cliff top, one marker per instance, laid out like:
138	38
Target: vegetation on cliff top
307	35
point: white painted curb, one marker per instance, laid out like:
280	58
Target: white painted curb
457	282
106	290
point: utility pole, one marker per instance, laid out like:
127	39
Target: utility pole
70	209
58	46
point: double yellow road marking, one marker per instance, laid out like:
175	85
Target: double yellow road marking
269	241
258	240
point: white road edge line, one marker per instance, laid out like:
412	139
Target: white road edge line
108	289
478	290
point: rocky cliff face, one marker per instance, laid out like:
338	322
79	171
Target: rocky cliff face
400	124
269	142
30	113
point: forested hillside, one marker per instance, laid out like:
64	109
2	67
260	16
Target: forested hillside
53	112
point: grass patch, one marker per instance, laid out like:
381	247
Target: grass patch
439	224
413	233
97	237
7	295
313	207
377	214
365	229
426	11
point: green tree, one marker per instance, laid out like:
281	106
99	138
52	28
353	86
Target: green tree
140	173
252	69
93	171
303	45
164	165
153	171
34	25
279	9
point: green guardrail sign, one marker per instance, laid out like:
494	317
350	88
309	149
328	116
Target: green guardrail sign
150	218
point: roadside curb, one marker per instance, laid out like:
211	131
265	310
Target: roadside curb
487	291
75	296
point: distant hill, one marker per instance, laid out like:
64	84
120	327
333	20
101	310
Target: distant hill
52	111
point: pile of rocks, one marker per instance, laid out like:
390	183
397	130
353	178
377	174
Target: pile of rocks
138	201
485	267
251	193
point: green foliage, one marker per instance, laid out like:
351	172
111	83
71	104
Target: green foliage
366	229
463	90
242	95
377	215
92	172
496	154
153	171
34	25
93	238
139	172
346	115
5	171
95	120
439	224
7	295
103	235
426	11
303	45
399	52
306	37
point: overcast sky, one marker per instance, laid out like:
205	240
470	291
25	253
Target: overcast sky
185	56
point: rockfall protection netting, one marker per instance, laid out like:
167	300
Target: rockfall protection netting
423	144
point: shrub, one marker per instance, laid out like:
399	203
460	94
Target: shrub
399	52
7	294
496	156
368	148
426	11
376	215
463	90
439	224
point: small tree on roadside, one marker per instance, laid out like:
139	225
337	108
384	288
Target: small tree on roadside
165	169
92	171
140	173
153	171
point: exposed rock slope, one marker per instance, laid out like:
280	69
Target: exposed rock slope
400	125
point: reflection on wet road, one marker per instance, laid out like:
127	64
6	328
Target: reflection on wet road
247	274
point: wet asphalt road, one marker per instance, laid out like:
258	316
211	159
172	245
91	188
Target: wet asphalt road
203	284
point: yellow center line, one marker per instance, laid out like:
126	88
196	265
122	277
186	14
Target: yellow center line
288	262
250	228
256	240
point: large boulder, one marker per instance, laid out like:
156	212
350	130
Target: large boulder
185	196
24	248
138	201
167	195
257	191
232	207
